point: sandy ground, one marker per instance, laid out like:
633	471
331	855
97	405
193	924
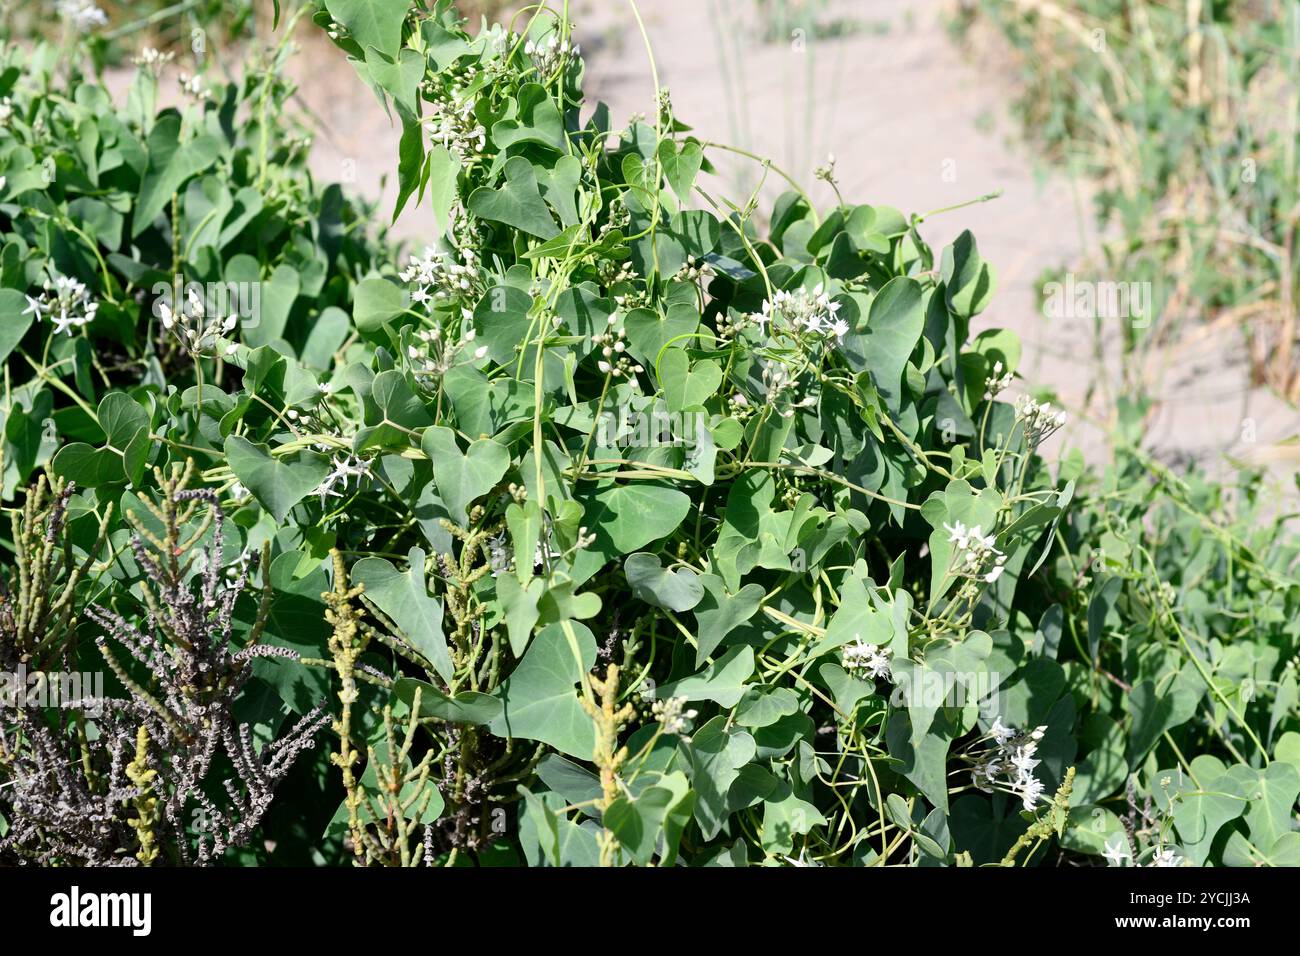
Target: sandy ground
914	123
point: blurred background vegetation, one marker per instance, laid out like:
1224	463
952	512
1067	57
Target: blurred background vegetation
1186	113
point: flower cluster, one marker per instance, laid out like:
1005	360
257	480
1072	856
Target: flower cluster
500	556
803	312
631	297
346	468
463	230
67	303
198	334
826	173
1012	763
614	360
192	86
1039	419
452	122
779	383
152	61
500	552
548	54
316	424
433	354
613	272
997	382
693	270
617	218
975	555
871	659
1120	855
673	716
437	276
81	14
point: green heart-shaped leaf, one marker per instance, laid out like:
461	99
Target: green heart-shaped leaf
277	483
467	707
540	698
519	602
13	323
723	681
517	203
126	447
538	120
463	477
648	331
397	413
404	598
377	301
376	23
678	590
681	166
968	279
719	613
686	385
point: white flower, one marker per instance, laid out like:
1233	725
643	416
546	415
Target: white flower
152	61
500	556
1031	790
826	172
81	14
869	658
1001	733
802	313
975	554
801	860
996	382
192	86
346	467
438	275
543	554
1166	858
1118	854
198	334
1012	764
982	777
6	110
673	715
547	55
1023	760
1039	420
67	303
